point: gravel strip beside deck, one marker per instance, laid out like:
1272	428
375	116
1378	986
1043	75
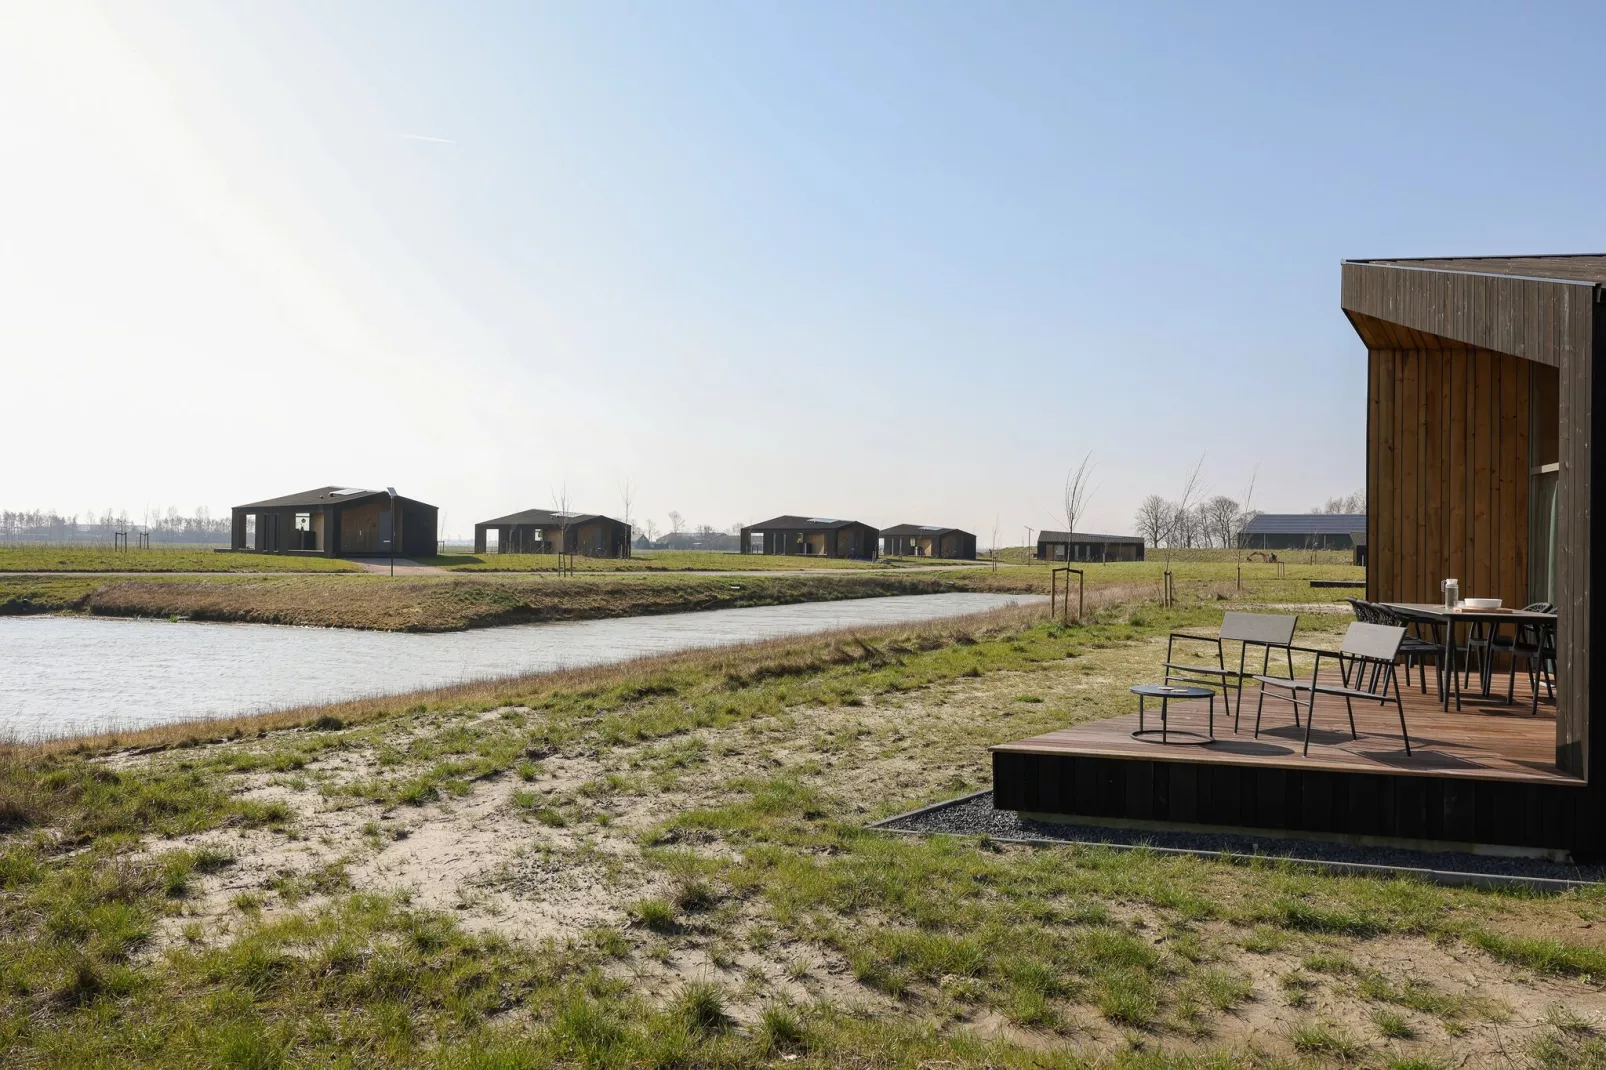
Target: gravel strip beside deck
974	815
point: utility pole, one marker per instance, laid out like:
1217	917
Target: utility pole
1028	543
392	492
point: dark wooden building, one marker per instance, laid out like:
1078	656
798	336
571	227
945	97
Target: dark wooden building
542	531
924	540
336	522
1301	531
1479	418
811	536
1086	546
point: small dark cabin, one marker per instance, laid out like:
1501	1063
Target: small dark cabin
925	540
336	522
542	531
1085	546
1301	531
811	537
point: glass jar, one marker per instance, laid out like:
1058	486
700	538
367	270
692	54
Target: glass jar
1452	593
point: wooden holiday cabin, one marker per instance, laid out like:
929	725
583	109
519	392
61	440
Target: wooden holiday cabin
543	531
1087	546
811	536
1301	531
926	540
1479	415
336	522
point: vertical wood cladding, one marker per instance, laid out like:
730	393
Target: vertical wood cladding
1447	470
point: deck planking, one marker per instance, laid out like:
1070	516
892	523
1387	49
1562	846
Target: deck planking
1482	741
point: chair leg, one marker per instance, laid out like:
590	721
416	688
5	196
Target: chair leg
1400	709
1259	707
1310	718
1349	708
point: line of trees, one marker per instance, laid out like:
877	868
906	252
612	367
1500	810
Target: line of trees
37	525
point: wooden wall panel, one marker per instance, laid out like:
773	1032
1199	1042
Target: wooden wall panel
1447	469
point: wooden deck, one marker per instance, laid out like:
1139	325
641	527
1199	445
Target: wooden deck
1483	740
1485	775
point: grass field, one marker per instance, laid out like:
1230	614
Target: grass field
185	559
664	864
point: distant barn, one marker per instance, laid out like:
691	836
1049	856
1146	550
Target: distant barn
1087	546
542	531
925	540
1302	531
336	522
815	536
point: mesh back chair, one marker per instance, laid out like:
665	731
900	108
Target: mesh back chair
1369	651
1269	631
1534	643
1414	649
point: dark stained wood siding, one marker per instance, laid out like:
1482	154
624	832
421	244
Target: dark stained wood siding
1507	813
1447	464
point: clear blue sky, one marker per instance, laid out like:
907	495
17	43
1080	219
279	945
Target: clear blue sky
899	262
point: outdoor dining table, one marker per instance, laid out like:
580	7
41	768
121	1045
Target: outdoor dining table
1438	614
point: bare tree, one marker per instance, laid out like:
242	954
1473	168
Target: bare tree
1220	515
1078	489
561	509
1192	489
649	528
676	522
995	542
627	497
1153	519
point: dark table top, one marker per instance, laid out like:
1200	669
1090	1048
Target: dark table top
1437	611
1171	691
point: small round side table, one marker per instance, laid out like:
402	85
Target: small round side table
1165	733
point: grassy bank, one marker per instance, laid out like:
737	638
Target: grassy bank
664	864
655	561
440	603
445	603
161	559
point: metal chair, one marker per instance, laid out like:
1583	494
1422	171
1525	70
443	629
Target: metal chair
1534	643
1370	651
1414	649
1268	631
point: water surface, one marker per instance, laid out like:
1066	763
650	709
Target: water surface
69	675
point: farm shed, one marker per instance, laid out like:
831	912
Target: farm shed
336	522
811	536
1085	546
1480	415
1301	531
543	531
925	540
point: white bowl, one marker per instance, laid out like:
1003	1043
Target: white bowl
1482	603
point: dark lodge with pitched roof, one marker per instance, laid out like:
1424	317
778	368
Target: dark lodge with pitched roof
1085	546
336	522
811	536
1302	531
543	531
926	540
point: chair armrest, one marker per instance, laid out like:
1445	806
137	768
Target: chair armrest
1199	638
1313	650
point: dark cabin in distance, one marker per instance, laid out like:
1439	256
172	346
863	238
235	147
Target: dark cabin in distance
336	522
815	536
543	531
1302	531
1085	546
927	540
